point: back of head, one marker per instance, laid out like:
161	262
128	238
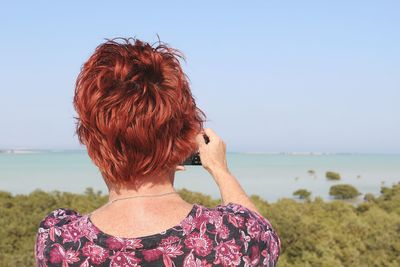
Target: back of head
136	114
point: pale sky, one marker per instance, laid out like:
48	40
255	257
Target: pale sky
272	76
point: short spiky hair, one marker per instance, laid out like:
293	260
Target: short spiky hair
136	112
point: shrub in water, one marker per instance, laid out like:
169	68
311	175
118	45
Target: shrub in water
343	191
302	193
332	175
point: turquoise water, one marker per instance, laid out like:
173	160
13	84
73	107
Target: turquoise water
271	176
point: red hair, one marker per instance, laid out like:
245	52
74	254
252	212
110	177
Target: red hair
136	112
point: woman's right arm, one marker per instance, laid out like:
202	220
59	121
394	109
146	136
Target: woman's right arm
213	159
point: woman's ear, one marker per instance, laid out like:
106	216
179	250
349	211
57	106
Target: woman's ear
180	168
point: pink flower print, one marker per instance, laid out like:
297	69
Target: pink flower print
87	228
59	213
227	253
274	243
188	224
250	263
266	236
167	261
191	261
96	253
199	211
200	220
117	243
266	257
170	249
85	263
253	228
214	217
274	249
133	243
169	240
124	259
58	255
51	221
54	231
80	228
70	233
62	214
237	208
40	243
254	258
236	220
245	239
223	231
152	254
201	244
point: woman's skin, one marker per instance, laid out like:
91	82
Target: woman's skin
138	217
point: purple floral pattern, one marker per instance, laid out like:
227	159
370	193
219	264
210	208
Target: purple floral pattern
227	235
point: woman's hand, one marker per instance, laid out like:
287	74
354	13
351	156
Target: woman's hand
212	154
213	159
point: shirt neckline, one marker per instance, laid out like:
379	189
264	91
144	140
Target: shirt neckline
176	230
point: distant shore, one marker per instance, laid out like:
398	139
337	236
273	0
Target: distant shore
294	153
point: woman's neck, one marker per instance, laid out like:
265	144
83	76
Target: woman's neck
154	185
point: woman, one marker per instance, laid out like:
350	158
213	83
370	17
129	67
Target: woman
139	122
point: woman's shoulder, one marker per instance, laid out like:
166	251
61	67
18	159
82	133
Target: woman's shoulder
237	225
49	231
58	218
248	223
236	210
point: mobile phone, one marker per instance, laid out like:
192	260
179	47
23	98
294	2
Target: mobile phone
194	159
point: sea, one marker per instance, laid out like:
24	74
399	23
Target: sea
271	176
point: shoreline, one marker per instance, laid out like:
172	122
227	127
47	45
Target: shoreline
352	201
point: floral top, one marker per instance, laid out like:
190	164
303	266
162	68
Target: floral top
227	235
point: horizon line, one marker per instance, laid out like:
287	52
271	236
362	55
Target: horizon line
316	153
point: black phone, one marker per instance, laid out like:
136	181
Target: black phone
194	159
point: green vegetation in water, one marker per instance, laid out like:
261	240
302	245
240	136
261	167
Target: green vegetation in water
313	233
302	193
332	175
343	191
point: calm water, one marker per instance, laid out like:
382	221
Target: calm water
271	176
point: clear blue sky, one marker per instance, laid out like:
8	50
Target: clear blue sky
272	76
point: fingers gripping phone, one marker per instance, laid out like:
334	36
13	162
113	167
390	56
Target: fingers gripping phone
194	159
